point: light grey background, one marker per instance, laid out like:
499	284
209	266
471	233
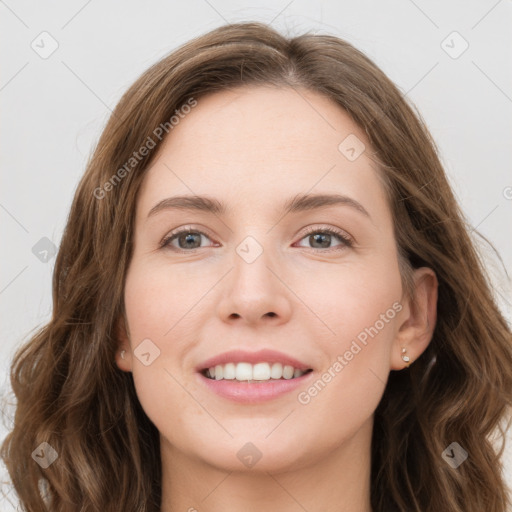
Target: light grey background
54	108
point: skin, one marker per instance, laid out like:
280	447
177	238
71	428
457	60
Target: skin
253	148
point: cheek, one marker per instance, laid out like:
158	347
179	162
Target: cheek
158	297
349	300
361	308
162	305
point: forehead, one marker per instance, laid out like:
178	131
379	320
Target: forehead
291	121
263	144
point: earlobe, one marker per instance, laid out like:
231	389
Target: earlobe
405	358
124	360
418	320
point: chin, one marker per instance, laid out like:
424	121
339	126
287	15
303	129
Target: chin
255	452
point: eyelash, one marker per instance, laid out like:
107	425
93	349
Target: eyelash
347	242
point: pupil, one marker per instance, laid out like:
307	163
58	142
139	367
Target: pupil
326	239
189	237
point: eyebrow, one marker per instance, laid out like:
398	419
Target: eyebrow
298	203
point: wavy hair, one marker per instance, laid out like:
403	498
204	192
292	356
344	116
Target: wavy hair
71	395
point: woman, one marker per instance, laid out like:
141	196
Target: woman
266	297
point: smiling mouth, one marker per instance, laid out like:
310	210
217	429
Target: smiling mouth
253	373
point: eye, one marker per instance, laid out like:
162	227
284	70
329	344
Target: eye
187	240
323	237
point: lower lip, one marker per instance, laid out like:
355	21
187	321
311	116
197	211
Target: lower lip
253	392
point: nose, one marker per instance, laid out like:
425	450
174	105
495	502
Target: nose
255	292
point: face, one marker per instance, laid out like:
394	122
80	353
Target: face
317	288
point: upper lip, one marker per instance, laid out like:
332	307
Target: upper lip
260	356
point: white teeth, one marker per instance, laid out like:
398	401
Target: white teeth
243	371
261	371
287	372
256	372
229	371
277	371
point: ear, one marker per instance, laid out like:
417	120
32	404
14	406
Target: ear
417	319
124	358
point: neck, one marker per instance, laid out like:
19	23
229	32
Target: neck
338	481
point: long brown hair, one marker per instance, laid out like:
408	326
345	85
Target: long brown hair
70	393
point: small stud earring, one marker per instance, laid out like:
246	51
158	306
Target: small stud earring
123	352
405	357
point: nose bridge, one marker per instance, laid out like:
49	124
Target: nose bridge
252	261
254	291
